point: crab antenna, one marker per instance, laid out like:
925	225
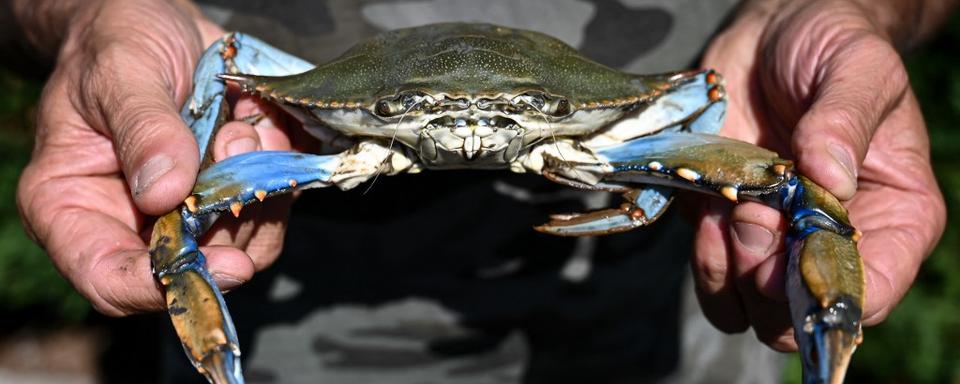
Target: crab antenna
553	134
393	139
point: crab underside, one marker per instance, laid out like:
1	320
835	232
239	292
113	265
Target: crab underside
478	96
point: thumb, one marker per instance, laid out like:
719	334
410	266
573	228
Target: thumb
133	102
858	81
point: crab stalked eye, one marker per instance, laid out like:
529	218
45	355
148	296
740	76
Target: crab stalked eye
558	107
388	108
562	108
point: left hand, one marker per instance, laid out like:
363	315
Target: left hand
821	83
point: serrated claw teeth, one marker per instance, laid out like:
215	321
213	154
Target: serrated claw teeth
730	192
260	194
780	169
688	174
857	235
235	208
191	203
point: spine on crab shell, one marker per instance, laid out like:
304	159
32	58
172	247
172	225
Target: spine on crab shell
825	281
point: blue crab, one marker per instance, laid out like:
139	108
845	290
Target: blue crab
479	96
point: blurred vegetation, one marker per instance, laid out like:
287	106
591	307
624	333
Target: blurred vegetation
918	343
30	287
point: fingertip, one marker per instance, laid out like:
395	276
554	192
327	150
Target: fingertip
830	163
781	341
122	284
229	267
235	138
756	233
160	167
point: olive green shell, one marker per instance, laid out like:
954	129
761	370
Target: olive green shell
458	59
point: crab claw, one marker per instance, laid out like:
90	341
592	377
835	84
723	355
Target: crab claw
825	288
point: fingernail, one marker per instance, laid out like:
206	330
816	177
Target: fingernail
241	145
226	282
843	158
755	238
152	170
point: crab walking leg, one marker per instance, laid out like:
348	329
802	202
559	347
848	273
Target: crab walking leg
696	104
825	278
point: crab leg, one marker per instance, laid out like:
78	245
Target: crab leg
195	305
696	103
825	280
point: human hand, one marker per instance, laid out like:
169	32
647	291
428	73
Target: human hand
819	82
110	144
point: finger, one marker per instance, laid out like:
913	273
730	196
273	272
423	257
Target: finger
757	246
235	138
759	264
712	272
769	318
260	228
271	127
858	83
108	263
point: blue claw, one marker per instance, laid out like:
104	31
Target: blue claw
253	176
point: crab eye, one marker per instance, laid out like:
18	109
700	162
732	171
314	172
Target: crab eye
562	108
388	108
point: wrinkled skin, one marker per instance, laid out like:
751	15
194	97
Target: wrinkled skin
115	92
818	82
105	154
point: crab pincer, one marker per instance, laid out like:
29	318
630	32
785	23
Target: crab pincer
824	280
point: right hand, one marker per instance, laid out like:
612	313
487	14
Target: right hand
111	148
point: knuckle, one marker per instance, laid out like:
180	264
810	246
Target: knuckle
711	273
26	202
779	341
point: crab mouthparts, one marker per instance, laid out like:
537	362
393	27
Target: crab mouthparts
449	142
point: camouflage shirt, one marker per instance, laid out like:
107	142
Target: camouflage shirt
438	277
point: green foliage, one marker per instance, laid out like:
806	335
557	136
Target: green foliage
28	281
